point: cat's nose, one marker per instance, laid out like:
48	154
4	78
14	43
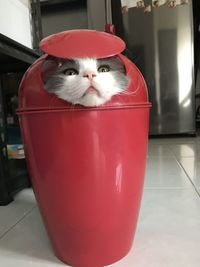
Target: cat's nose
89	75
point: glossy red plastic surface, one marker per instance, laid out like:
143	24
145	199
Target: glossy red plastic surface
87	167
84	43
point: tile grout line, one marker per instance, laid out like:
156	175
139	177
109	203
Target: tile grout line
198	193
26	214
166	188
181	166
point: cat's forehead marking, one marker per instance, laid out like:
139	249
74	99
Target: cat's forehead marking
87	64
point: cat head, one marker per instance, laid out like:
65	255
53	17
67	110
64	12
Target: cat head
88	81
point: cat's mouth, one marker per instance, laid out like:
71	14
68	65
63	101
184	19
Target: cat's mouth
91	90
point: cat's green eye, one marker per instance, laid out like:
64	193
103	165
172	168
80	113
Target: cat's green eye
70	72
104	68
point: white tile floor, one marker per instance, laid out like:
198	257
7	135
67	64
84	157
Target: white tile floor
168	232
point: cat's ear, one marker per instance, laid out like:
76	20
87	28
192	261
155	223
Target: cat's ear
50	67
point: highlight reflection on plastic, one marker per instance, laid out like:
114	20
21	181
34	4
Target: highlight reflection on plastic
86	164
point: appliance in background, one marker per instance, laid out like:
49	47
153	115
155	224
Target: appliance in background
62	15
160	42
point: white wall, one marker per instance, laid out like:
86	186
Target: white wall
15	21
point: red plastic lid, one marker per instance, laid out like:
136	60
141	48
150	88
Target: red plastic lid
82	43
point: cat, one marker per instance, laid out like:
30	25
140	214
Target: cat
88	82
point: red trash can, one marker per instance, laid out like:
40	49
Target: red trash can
86	164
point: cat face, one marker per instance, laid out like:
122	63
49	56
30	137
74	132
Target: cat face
88	82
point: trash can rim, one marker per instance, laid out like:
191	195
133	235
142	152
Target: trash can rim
80	108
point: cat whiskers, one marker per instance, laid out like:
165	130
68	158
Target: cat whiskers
73	92
120	94
126	93
73	106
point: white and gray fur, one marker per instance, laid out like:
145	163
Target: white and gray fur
87	81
